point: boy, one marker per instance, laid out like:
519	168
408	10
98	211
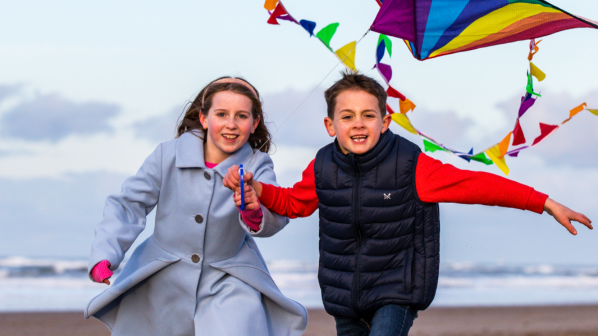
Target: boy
378	196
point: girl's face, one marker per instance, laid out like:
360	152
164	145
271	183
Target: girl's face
229	124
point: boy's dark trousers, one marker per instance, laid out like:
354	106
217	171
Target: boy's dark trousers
389	320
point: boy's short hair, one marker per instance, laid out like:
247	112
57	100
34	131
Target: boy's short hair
354	81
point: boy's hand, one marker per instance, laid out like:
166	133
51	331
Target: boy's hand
232	180
251	199
564	215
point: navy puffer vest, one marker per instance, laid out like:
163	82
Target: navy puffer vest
379	244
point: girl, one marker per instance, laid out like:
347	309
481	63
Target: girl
200	273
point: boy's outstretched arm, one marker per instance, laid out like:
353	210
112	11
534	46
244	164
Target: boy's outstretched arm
437	183
298	201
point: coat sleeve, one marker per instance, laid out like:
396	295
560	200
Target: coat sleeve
125	213
271	222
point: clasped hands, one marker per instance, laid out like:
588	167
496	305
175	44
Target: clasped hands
232	180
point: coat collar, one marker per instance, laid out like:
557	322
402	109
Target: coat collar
190	154
368	160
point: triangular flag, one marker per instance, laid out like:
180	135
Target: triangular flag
383	37
534	71
529	88
465	156
480	157
391	92
577	109
380	51
279	11
431	146
308	26
533	49
526	103
389	109
326	34
515	152
518	134
406	106
545	131
494	154
504	144
270	4
404	122
593	111
385	71
347	54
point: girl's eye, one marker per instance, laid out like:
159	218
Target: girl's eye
220	114
243	116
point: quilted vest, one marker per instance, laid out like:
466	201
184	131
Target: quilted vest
379	244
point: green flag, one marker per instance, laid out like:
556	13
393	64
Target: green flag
480	157
387	42
432	147
326	34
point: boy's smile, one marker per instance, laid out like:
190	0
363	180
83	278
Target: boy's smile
357	123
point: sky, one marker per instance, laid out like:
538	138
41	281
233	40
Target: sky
89	90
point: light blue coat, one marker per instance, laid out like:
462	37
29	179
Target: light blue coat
161	290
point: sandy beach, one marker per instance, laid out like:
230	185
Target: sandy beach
516	321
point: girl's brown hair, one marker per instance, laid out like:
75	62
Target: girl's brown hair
260	139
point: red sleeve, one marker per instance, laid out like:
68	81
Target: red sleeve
298	201
437	182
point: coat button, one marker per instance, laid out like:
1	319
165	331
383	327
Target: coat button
199	219
195	258
207	176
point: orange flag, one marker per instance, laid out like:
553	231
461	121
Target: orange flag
270	4
575	111
503	145
406	106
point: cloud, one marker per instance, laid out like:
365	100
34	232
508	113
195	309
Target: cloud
51	117
159	128
8	90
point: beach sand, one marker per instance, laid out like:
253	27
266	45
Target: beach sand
516	321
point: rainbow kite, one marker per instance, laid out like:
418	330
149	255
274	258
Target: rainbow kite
433	28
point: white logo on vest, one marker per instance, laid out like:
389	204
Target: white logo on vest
387	196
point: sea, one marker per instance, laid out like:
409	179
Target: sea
29	284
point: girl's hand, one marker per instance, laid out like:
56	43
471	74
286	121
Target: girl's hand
232	180
251	199
564	215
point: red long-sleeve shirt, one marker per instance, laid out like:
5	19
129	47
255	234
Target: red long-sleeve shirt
435	183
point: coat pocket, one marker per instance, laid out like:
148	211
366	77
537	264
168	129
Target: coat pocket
147	259
408	269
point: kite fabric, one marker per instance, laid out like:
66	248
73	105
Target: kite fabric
434	28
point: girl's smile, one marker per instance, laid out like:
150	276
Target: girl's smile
229	124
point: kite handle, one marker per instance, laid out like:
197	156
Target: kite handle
241	173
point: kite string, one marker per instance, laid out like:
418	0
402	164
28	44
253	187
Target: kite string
306	98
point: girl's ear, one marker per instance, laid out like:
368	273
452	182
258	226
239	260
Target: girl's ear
256	123
203	120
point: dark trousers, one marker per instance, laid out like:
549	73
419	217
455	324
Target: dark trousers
390	320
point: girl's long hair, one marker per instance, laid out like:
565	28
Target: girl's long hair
259	140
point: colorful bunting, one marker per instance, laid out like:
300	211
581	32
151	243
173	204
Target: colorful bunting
387	41
278	13
593	111
534	71
515	152
385	71
529	88
403	121
441	27
495	155
391	92
270	4
326	34
545	131
526	103
480	157
308	26
406	106
518	134
431	146
347	55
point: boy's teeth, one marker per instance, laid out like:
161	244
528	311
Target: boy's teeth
359	138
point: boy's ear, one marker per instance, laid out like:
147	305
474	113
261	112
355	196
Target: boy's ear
386	122
328	123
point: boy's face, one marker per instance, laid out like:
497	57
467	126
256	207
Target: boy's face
357	121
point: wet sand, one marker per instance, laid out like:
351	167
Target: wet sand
495	321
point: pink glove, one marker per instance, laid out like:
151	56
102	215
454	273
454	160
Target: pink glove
101	272
252	218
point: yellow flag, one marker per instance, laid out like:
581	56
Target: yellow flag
406	106
404	122
593	111
347	54
493	154
270	4
537	72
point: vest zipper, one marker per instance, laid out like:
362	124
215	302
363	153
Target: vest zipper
356	283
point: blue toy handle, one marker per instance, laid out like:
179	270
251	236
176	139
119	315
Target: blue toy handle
241	173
